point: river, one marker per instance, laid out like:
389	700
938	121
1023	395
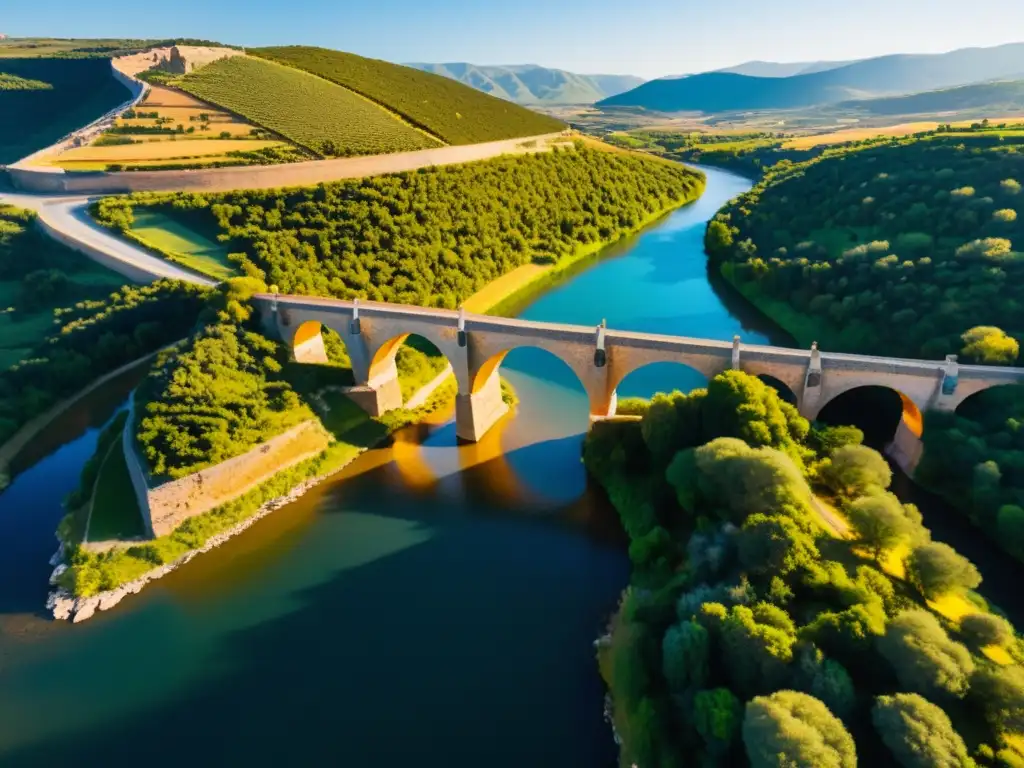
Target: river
434	604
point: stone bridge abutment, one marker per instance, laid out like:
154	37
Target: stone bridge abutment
601	358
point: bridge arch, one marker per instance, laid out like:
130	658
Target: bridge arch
384	355
785	390
971	404
648	379
490	367
881	412
414	358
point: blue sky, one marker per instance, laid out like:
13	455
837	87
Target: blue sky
642	37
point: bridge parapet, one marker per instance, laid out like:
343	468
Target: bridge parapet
475	345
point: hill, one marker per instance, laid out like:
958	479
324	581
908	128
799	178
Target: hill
780	69
54	97
1002	96
449	110
532	84
310	111
884	75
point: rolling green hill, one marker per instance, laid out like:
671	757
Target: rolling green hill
897	74
444	108
313	112
1004	96
81	89
531	84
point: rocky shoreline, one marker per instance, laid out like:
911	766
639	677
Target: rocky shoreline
66	607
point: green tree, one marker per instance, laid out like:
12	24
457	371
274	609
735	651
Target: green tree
718	715
925	660
686	656
880	522
756	647
718	238
855	469
918	733
981	629
999	693
825	679
1010	527
789	728
774	545
989	345
937	569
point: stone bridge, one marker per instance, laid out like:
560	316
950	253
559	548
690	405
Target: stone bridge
601	357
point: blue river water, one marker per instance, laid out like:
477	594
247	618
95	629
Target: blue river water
434	604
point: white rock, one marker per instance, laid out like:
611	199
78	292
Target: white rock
57	573
111	598
85	607
63	608
57	557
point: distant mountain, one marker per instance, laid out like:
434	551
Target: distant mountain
1002	96
777	69
884	75
532	84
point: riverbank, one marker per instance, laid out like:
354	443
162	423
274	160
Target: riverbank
514	290
91	582
10	450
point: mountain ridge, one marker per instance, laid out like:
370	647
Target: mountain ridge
531	83
889	75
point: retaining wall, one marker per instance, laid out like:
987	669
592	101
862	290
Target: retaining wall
55	180
168	505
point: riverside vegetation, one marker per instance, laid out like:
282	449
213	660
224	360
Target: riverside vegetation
217	395
917	234
431	237
68	321
755	633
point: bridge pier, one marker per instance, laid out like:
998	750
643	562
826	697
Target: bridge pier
476	412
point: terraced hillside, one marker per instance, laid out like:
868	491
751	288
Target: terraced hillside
314	113
65	94
449	110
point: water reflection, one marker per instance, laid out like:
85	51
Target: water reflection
432	599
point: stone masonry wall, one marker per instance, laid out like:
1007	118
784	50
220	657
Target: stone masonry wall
167	506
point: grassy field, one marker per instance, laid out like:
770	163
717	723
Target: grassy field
183	245
10	82
455	113
115	510
314	113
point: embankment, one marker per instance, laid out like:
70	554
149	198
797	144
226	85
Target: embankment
54	180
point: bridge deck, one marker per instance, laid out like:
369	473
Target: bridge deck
835	361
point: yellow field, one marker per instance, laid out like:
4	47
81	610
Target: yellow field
901	129
163	150
203	146
507	285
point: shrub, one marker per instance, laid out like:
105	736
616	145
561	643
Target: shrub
981	629
793	729
937	569
925	660
918	733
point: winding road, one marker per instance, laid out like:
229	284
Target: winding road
66	219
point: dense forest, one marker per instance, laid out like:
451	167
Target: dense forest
66	321
975	457
431	237
747	153
913	234
918	235
785	608
93	338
